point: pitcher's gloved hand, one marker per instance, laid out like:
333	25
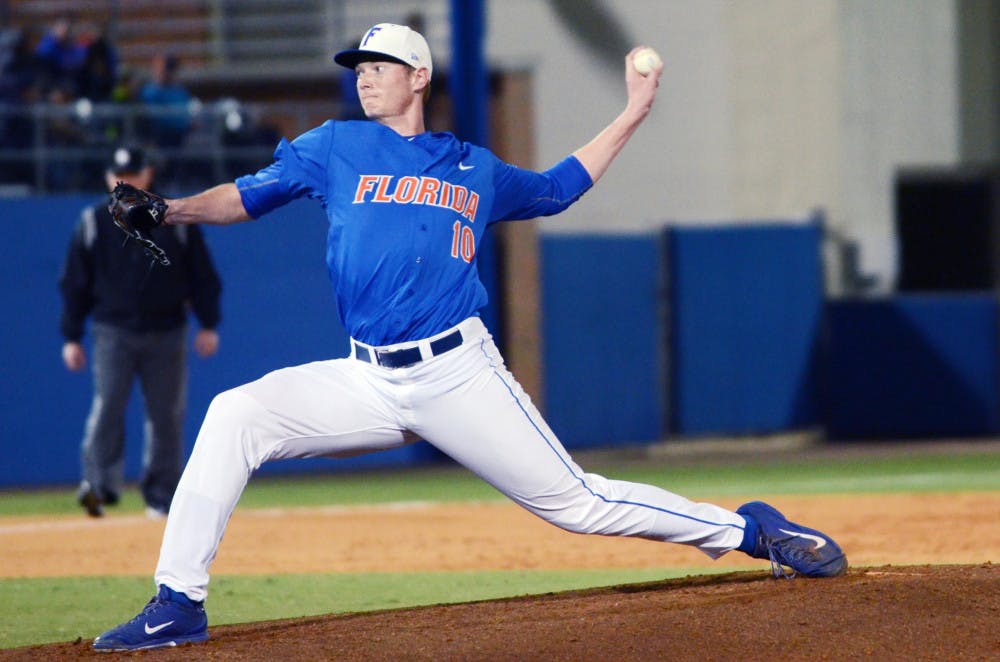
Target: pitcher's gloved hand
137	213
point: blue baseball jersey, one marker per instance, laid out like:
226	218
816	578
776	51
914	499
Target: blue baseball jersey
406	216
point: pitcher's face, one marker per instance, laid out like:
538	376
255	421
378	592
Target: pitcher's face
386	89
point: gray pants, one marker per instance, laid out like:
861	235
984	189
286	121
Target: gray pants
159	360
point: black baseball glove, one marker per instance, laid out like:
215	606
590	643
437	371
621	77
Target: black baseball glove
136	213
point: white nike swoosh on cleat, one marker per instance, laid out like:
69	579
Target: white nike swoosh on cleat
462	166
816	539
154	630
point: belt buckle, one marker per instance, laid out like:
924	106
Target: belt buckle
398	358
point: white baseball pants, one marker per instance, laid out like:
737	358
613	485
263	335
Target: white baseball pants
463	401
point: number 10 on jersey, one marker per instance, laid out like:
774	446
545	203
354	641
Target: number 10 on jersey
463	242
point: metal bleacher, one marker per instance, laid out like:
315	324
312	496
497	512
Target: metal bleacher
258	68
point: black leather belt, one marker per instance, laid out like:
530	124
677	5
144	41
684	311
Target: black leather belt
401	358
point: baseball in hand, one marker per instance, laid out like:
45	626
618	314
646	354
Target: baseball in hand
645	60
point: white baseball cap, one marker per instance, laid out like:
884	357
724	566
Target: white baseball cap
388	41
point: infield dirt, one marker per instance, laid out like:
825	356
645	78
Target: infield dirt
922	585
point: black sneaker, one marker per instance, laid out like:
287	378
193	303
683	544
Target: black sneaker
91	502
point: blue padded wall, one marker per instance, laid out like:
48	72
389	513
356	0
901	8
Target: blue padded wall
921	365
745	311
603	355
745	336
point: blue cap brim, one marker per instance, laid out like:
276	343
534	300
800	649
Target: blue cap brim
351	57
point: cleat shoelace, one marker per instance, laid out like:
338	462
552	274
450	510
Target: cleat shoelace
777	563
152	606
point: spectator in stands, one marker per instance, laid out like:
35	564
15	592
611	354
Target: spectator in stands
126	89
18	88
60	54
168	100
139	323
95	81
19	67
98	73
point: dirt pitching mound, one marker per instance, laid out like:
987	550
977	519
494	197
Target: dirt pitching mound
881	613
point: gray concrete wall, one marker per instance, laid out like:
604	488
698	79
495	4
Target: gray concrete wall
767	109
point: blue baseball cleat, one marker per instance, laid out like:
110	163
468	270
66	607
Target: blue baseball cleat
806	551
169	619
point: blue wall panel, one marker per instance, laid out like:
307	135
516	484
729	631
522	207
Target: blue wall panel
913	366
603	338
278	310
745	310
746	337
43	408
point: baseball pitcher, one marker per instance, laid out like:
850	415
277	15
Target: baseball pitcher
407	210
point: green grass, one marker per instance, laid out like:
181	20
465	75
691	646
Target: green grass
930	472
42	610
36	611
920	473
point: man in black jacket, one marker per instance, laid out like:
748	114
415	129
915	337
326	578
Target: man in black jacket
139	324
